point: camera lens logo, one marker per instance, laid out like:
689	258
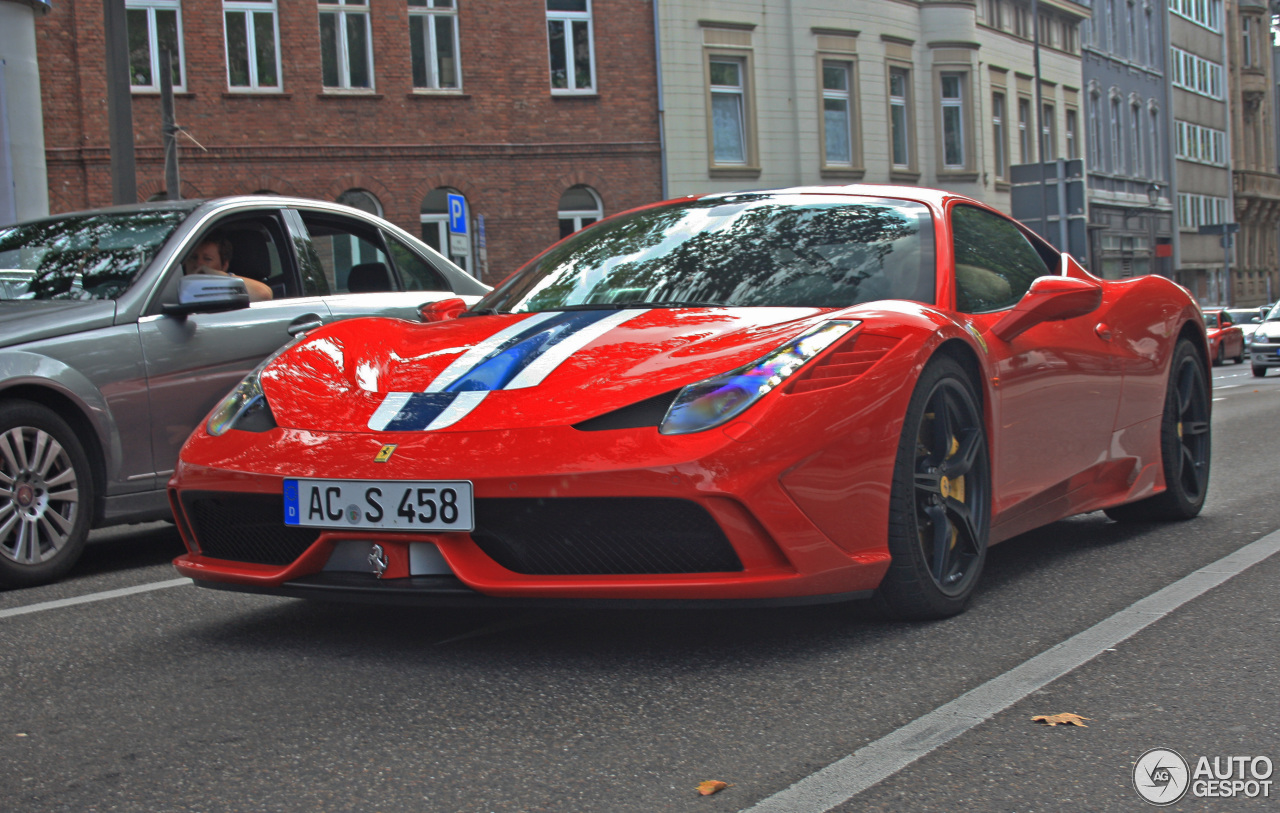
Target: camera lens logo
1161	776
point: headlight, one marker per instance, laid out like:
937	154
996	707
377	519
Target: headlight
710	403
246	406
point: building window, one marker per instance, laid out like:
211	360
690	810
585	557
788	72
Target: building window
433	44
1246	42
1073	135
899	117
1095	131
998	135
434	217
953	146
1135	147
573	64
837	113
728	110
154	26
1131	17
1203	145
1157	167
1207	13
1200	210
346	55
253	44
1153	39
579	207
1025	129
1117	138
1048	132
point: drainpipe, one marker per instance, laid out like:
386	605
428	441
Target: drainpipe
662	125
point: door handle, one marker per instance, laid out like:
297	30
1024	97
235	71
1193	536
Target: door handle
304	323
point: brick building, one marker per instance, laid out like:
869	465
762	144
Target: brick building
542	113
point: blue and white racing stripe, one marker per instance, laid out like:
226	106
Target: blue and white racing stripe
519	356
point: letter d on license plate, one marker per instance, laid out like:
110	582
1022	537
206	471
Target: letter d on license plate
401	505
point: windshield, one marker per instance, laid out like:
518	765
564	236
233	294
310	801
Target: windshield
95	256
826	251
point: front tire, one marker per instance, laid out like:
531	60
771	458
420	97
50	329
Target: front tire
46	495
1184	445
940	501
1259	372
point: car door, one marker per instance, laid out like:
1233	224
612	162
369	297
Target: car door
1057	385
193	360
370	271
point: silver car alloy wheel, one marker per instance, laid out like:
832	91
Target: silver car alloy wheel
39	496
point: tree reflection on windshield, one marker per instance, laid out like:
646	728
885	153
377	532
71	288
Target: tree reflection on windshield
740	250
94	256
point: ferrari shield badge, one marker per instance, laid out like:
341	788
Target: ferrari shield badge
384	454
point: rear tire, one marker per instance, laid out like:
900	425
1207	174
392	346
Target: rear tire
1184	445
1259	372
940	500
1221	358
46	495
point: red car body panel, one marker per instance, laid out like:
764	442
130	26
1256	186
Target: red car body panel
799	482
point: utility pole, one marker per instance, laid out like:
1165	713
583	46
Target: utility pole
124	178
168	129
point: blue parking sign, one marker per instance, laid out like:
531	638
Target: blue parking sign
457	214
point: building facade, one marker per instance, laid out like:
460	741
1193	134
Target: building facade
1126	109
1199	98
1255	182
542	113
923	92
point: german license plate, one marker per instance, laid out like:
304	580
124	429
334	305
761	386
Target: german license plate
402	505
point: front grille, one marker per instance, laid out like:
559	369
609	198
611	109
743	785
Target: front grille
581	536
245	527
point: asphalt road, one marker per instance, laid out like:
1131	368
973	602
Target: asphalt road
180	698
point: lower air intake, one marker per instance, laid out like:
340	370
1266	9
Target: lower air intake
245	528
597	536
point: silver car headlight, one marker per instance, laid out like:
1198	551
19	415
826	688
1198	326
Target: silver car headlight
709	403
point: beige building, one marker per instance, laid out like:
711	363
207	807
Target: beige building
1255	182
934	93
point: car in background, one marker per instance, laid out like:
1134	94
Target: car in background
802	395
1248	319
1226	339
1264	347
110	354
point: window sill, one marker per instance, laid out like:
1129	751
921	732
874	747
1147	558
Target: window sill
904	175
435	93
338	93
842	173
1003	186
255	94
733	172
957	175
185	94
560	94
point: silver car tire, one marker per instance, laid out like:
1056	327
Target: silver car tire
46	495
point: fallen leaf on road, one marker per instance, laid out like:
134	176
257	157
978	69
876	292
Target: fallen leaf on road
1066	718
711	786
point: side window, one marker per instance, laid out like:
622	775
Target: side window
252	247
350	253
995	264
415	273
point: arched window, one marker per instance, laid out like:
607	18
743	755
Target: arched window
435	226
580	206
361	199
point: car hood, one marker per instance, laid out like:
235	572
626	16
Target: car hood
508	371
29	320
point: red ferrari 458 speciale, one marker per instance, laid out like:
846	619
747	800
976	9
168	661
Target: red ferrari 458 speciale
810	394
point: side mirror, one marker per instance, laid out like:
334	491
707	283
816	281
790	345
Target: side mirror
208	293
1050	299
442	310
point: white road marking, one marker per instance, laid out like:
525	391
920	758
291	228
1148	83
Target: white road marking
92	597
842	780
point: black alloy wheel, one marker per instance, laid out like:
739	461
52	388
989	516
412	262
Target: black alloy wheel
940	504
46	495
1185	435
